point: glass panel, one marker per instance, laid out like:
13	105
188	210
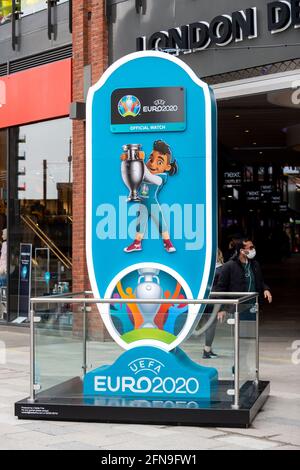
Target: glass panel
58	352
214	332
60	359
101	352
32	6
40	206
247	355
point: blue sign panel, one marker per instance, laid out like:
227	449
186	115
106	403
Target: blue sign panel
152	373
151	198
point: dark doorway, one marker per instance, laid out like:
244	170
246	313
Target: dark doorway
259	187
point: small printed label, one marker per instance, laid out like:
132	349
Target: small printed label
38	411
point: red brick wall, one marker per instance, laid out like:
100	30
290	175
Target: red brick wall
89	48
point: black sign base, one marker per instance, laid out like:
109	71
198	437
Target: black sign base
74	408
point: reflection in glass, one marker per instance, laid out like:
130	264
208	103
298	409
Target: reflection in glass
40	209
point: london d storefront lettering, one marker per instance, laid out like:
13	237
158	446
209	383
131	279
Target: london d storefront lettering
224	29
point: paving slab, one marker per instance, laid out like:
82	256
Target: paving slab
276	428
287	448
47	427
72	446
9	443
234	448
288	438
158	444
247	442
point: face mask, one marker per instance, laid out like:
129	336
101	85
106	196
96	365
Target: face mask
251	254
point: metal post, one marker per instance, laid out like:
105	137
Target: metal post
59	305
257	342
236	404
84	338
31	399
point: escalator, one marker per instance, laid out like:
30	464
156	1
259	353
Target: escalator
47	242
51	267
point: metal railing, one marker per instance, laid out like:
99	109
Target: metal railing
222	300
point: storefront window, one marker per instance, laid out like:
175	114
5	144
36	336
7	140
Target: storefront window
3	223
40	207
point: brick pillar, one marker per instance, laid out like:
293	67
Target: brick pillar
89	49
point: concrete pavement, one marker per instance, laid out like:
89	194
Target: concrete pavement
277	427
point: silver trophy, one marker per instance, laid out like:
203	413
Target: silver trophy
133	171
149	288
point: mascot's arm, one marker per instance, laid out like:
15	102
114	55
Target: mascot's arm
150	178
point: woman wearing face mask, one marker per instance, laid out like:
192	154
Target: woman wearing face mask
242	273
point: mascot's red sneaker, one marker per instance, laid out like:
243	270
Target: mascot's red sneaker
135	246
169	247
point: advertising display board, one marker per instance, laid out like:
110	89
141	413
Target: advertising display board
24	279
151	221
151	246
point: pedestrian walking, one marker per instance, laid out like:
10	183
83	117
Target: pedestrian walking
212	314
242	273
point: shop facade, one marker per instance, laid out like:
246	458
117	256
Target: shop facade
36	155
248	52
249	55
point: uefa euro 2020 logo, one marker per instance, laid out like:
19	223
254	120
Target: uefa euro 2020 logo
129	106
153	366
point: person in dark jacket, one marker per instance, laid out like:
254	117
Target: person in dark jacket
242	273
